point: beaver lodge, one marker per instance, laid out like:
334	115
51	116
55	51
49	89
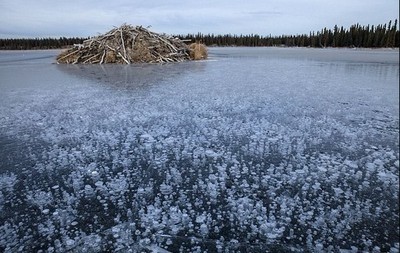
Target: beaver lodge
128	44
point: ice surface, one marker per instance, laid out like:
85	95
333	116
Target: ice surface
286	150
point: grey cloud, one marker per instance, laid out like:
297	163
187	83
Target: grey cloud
85	18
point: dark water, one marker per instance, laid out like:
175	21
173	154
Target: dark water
253	150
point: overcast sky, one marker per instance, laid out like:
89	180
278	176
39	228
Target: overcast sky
55	18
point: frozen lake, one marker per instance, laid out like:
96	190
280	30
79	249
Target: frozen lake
253	150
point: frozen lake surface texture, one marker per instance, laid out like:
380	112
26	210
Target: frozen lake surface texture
253	150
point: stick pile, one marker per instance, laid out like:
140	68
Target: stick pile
128	44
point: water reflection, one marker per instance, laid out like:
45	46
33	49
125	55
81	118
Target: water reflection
313	54
382	71
128	77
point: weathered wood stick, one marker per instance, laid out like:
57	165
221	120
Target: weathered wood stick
94	56
127	62
65	56
102	57
111	48
166	42
134	39
123	42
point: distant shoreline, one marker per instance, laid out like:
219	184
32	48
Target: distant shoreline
322	48
356	36
234	46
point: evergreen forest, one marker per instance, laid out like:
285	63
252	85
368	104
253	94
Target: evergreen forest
386	35
39	43
369	36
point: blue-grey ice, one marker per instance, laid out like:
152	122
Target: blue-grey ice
254	150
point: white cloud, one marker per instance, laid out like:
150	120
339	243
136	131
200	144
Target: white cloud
85	18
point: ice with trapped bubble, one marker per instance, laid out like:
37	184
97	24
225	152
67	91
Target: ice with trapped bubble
256	150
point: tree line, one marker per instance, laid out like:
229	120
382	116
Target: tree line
39	43
384	35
